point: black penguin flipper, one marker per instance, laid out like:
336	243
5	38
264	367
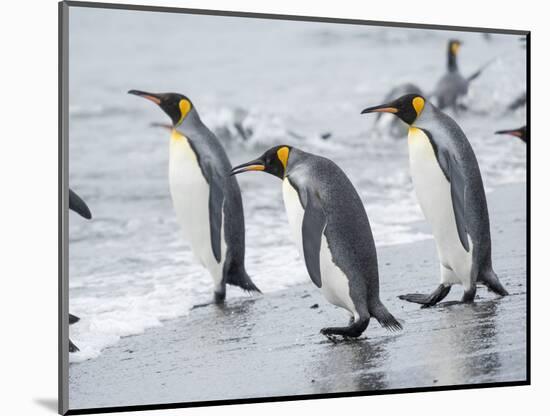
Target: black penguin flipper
216	184
215	208
313	225
451	169
77	205
458	193
73	319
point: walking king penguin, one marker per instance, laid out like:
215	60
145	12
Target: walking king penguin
453	86
520	133
77	205
450	190
207	200
332	232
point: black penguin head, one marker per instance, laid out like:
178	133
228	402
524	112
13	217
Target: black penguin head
452	52
177	106
453	46
274	161
520	133
407	107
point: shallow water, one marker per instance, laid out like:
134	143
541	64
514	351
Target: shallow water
288	82
214	353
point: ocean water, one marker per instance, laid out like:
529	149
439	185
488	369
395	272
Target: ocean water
279	82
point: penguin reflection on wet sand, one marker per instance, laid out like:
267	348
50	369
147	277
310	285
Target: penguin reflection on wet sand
207	200
331	229
453	86
449	187
77	205
520	133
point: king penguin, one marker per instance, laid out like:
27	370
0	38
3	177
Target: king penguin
77	205
332	232
520	133
207	200
448	184
453	86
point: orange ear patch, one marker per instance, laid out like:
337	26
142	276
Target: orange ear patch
185	107
282	154
418	104
454	47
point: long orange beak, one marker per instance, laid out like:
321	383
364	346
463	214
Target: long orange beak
149	96
246	167
384	108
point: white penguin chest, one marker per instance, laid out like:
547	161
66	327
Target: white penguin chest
433	191
334	283
294	212
190	195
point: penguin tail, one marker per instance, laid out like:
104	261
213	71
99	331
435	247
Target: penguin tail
239	277
385	318
490	279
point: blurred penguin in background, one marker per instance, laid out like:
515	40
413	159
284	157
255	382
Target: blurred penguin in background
453	86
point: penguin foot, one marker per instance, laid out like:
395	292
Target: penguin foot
332	338
337	337
219	299
469	295
202	305
428	300
353	331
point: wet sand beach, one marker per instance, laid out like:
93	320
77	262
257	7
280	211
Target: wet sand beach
271	346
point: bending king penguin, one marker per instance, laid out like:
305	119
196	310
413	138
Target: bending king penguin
332	231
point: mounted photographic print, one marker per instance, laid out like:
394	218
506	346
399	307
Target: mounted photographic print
265	208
